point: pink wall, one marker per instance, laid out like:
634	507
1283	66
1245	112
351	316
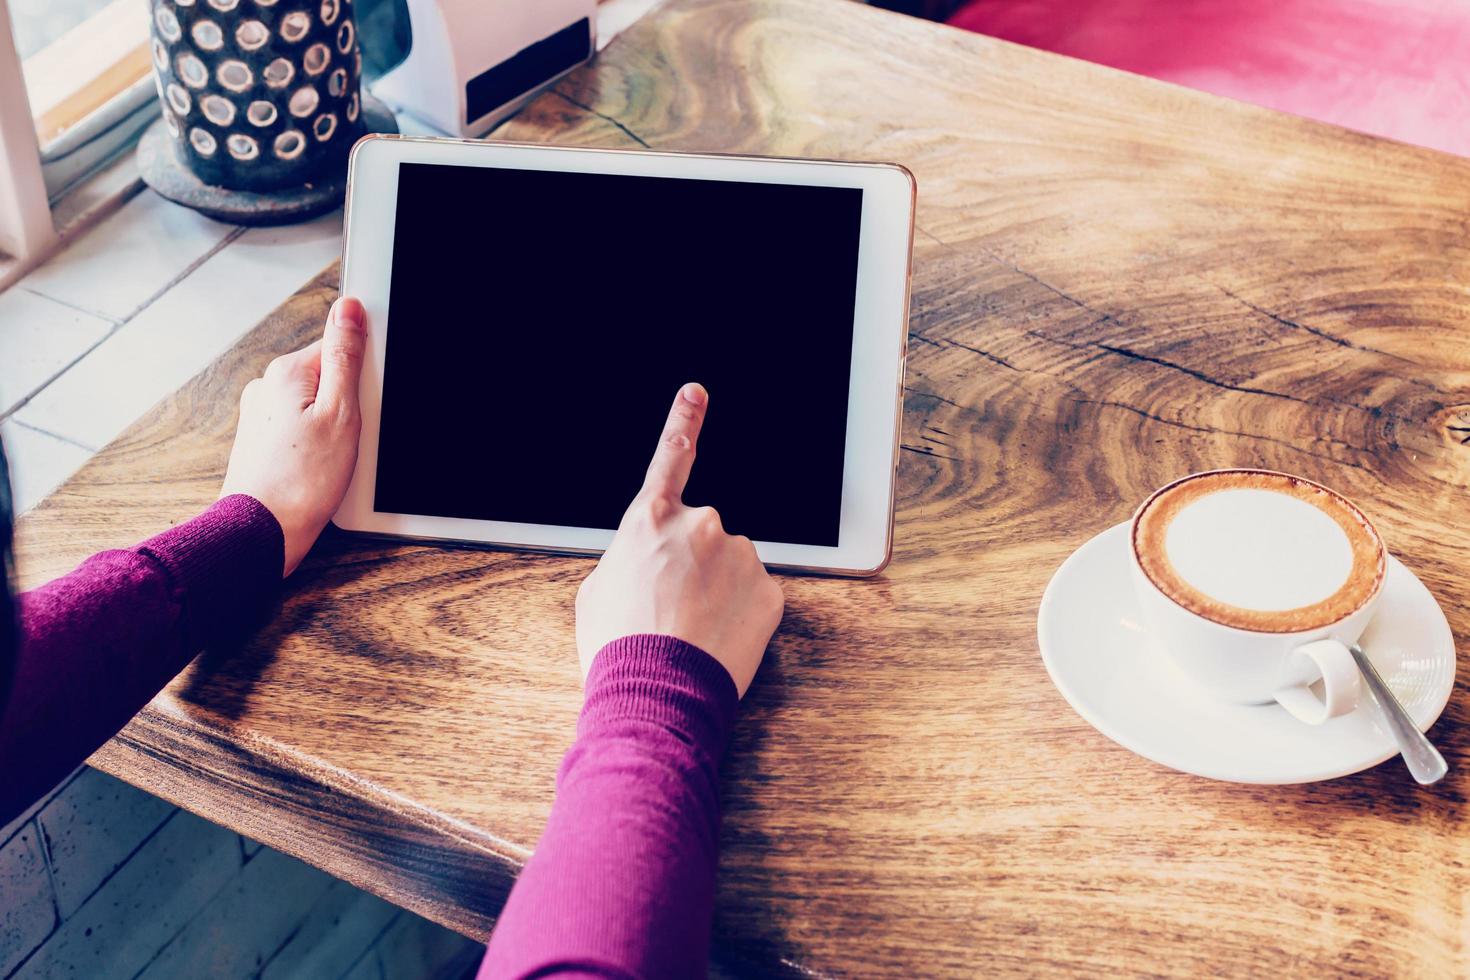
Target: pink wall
1396	68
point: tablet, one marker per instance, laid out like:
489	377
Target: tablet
532	310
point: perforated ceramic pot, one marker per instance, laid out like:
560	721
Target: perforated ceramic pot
258	95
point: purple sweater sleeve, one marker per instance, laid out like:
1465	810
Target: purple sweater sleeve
97	644
622	883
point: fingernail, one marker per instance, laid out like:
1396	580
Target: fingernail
349	312
694	393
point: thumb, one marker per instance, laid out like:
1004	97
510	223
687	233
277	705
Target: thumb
342	353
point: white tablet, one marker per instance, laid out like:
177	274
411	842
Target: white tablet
532	310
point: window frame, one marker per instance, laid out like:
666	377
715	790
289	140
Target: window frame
91	122
26	227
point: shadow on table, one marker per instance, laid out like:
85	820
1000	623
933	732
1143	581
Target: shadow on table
225	675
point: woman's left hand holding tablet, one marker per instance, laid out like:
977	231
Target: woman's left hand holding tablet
296	445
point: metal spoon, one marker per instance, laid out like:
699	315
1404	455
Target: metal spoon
1425	763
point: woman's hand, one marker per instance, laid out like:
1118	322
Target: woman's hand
297	441
673	570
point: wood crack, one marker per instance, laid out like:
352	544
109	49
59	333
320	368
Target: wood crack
931	236
935	438
1209	430
1002	260
605	117
1287	322
1374	411
926	451
937	397
948	342
1103	317
1331	338
994	358
1081	396
1198	375
1162	362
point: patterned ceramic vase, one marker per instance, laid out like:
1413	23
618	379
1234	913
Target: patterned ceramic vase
258	95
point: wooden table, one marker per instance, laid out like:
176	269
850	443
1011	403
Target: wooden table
1116	282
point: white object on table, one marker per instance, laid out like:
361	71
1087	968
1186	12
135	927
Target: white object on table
474	62
1103	661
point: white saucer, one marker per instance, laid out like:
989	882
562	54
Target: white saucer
1100	658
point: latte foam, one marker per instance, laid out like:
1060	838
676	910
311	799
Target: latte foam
1259	551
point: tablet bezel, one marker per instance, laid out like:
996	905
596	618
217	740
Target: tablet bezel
880	333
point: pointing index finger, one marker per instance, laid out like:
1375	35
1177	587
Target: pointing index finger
674	458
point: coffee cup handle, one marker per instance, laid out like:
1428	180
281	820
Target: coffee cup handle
1333	663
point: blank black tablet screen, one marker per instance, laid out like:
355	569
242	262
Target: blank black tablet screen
541	323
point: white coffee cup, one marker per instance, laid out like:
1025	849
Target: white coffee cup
1263	663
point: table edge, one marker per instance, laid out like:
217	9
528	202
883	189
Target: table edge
414	857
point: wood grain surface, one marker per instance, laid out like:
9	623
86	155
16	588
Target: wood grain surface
1116	282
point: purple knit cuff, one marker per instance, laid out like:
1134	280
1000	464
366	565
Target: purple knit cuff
664	680
225	565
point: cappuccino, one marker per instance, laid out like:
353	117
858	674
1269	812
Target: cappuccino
1259	551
